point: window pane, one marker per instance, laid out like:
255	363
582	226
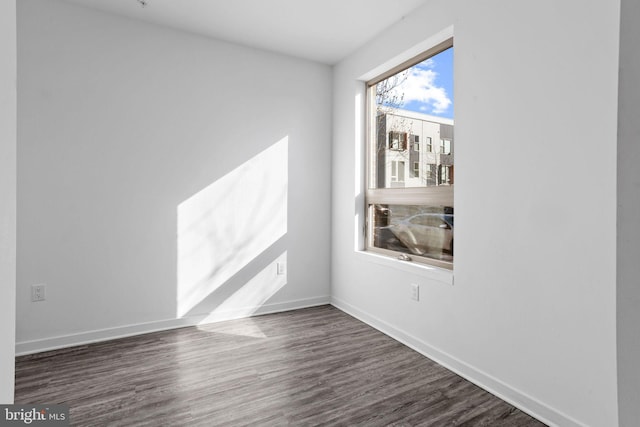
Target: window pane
419	230
413	105
445	146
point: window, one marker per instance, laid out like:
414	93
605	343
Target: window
411	218
446	175
416	170
430	174
397	171
428	147
445	146
397	141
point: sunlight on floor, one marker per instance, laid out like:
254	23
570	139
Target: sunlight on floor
249	328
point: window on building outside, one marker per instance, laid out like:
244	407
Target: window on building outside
445	146
397	141
428	172
416	143
413	214
416	170
397	171
446	175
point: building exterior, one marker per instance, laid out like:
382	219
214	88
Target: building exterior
414	150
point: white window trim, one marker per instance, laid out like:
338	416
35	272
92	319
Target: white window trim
426	271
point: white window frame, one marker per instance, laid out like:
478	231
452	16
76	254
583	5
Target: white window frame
431	195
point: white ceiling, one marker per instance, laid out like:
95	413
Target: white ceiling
320	30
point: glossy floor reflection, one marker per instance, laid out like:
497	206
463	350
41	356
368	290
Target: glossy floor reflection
316	366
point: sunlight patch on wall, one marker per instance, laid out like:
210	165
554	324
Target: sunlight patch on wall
250	297
229	223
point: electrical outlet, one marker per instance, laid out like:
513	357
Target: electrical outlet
415	292
282	268
38	292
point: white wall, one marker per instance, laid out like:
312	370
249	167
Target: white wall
532	312
629	216
121	123
7	198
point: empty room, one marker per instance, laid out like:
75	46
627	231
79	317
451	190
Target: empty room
242	213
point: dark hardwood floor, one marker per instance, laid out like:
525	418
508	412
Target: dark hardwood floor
311	367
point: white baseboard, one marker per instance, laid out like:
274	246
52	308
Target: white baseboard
520	400
82	338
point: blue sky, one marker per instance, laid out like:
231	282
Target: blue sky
428	88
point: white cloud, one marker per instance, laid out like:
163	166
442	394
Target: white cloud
420	86
429	63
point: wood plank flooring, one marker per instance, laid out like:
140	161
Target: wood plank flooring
310	367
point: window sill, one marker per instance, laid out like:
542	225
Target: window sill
434	273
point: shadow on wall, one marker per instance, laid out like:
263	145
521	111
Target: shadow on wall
231	236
